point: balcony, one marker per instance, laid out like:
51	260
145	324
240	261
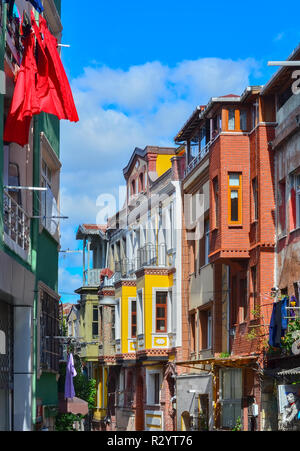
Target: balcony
152	255
125	269
92	277
197	159
16	227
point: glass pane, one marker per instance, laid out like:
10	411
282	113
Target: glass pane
133	306
231	119
95	329
226	385
161	298
161	325
234	205
95	313
234	180
133	331
243	120
160	312
237	384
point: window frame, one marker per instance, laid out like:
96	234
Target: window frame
95	308
255	211
164	318
232	188
153	383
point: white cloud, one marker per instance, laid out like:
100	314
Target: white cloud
120	110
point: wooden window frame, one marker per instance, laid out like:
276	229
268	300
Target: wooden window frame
240	192
133	319
161	318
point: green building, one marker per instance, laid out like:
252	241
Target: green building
29	245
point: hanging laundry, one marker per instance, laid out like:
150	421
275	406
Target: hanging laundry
60	101
37	4
25	103
25	27
45	88
70	374
41	86
278	323
293	303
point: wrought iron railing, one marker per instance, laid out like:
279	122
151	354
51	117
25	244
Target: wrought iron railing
16	222
152	255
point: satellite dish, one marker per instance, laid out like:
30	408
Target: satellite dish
296	347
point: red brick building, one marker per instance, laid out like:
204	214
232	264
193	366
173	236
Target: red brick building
235	131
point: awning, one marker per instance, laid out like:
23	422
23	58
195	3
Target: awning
289	372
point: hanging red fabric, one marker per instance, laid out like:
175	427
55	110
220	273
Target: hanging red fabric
59	99
25	102
41	85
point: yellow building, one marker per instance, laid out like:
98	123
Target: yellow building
144	252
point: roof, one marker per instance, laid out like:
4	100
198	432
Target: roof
282	75
201	113
143	152
90	229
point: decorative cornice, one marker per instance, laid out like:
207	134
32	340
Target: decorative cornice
154	271
125	283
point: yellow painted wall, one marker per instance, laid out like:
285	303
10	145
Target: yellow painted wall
124	294
163	164
149	282
90	352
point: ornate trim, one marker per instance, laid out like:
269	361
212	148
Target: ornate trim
154	271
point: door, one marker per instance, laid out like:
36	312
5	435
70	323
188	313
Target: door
5	366
139	415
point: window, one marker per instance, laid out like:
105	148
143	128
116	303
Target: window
205	318
193	319
295	201
231	119
49	212
230	396
133	187
254	289
297	178
216	198
50	349
209	330
206	237
282	207
140	314
133	319
243	300
161	311
95	323
255	198
243	120
113	324
235	198
153	387
141	178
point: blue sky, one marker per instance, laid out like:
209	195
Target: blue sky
137	71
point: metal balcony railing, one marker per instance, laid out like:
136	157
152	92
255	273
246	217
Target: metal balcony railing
16	223
152	255
92	277
197	159
125	268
